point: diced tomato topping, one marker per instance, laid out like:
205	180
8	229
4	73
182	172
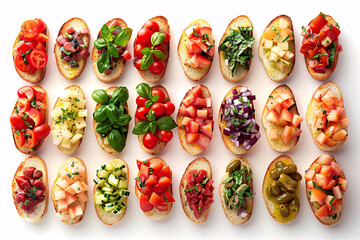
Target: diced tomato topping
201	113
145	204
191	137
203	141
155	199
331	184
200	102
309	174
322	180
272	116
337	192
317	23
166	172
322	211
151	180
144	171
343	184
317	195
167	197
197	91
194	127
326	170
296	120
156	166
321	138
189	100
286	115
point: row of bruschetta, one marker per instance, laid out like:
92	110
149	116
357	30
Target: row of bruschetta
326	185
196	48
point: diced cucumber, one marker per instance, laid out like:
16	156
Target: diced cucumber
106	184
117	209
109	167
109	207
101	173
122	204
117	172
107	195
124	192
113	180
114	198
107	189
100	199
99	181
122	185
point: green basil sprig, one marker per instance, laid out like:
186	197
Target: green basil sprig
144	90
164	123
110	43
147	59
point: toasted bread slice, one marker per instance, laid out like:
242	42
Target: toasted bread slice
232	214
108	217
310	117
120	63
278	144
155	214
101	141
198	164
163	26
328	71
272	207
69	165
40	208
65	69
193	74
160	145
273	72
73	149
240	21
39	73
44	113
192	148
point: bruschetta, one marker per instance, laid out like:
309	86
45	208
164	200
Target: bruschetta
111	191
236	191
154	188
72	48
109	53
235	49
326	117
277	48
68	119
151	49
30	50
196	190
30	189
153	123
196	49
29	119
281	119
280	189
236	119
69	191
195	120
111	118
326	185
321	46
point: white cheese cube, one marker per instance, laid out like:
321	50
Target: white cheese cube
80	123
66	106
283	45
288	55
66	144
81	103
283	23
278	51
82	113
56	113
56	136
274	57
76	138
281	67
268	44
66	134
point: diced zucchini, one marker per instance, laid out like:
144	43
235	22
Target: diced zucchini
122	204
100	199
106	184
122	184
109	167
101	173
99	181
117	171
107	195
113	180
124	192
117	209
109	207
107	190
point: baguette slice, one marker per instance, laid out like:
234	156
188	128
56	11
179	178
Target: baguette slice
160	145
107	217
44	112
120	64
68	151
39	73
192	148
71	163
267	181
163	26
231	214
328	71
155	214
310	118
193	74
270	69
106	147
242	21
278	144
41	208
198	164
65	69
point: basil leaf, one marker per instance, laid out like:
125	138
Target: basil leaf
106	34
112	113
123	37
144	90
151	115
141	128
100	96
123	120
154	98
112	50
152	127
145	50
116	140
103	127
123	129
146	61
100	114
103	63
148	103
120	95
121	109
115	28
158	53
166	123
157	38
100	43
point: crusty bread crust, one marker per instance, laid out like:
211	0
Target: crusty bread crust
120	64
231	214
272	72
65	69
199	163
192	148
41	208
65	165
72	150
27	150
310	118
269	204
193	74
278	144
107	217
106	147
39	73
155	214
242	21
163	26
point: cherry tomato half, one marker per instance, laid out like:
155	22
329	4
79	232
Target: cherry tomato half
35	115
16	122
38	59
20	64
140	101
26	92
164	136
137	64
144	36
41	25
167	38
142	112
22	104
157	91
152	25
31	138
20	139
137	50
42	131
30	29
159	109
170	108
156	67
150	141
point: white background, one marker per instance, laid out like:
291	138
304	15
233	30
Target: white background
180	13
